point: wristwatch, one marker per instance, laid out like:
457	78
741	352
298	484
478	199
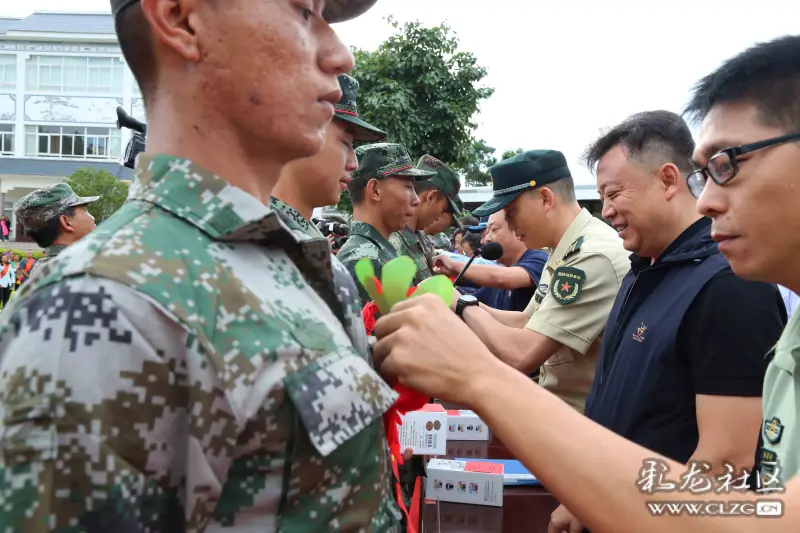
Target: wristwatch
466	300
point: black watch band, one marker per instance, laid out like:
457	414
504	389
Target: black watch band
466	300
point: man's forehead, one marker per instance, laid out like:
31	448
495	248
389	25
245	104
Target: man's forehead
727	125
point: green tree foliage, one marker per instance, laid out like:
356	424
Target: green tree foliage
508	154
423	91
481	158
94	182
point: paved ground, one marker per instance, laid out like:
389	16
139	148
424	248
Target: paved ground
24	246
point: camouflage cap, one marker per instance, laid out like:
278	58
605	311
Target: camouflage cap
335	10
347	110
445	180
36	208
384	160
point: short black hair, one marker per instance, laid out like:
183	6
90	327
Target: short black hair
473	239
357	196
767	74
421	186
661	133
46	234
469	221
564	188
135	40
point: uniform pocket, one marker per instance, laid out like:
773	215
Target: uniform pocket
336	397
564	355
27	430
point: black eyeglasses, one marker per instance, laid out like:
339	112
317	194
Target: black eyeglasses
722	166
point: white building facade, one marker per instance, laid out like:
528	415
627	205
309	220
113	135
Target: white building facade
62	76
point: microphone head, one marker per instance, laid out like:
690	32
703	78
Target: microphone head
492	251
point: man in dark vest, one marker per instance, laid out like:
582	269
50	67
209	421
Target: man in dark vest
682	361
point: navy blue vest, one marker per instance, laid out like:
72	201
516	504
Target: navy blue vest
643	388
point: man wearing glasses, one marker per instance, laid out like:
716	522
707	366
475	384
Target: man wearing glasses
597	474
682	361
749	156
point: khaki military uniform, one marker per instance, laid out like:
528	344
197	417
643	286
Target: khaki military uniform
780	453
573	301
415	245
195	364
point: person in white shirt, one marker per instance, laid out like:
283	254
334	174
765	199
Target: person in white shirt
790	299
8	277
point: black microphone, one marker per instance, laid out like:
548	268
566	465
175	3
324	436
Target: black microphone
491	251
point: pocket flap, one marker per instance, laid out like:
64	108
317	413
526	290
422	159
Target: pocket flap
338	396
563	355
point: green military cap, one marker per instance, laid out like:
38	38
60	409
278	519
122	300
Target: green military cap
524	171
384	160
335	10
445	180
347	110
36	208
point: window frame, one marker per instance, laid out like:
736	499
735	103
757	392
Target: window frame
72	136
75	74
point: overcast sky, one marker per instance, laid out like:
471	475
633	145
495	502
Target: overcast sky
564	70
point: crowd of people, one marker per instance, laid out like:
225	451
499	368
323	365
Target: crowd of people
199	361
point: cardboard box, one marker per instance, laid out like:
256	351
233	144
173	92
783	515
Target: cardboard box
445	517
465	425
472	482
466	449
425	431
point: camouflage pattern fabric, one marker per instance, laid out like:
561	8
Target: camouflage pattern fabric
446	180
410	243
49	254
290	215
440	241
39	206
384	160
346	109
365	241
194	364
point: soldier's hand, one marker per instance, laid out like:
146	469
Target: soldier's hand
562	521
413	348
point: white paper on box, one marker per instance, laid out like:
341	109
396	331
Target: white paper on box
424	431
465	425
465	482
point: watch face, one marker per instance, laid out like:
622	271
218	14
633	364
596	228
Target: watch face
469	299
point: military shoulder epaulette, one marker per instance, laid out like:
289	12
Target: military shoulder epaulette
574	248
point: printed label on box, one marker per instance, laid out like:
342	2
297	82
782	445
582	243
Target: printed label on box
465	482
465	425
425	431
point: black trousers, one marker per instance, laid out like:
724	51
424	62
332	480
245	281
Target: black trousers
5	294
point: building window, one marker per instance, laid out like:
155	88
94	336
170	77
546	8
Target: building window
74	75
72	142
6	139
8	72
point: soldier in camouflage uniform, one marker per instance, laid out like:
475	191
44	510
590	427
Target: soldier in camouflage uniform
382	190
319	180
196	364
438	196
54	217
436	231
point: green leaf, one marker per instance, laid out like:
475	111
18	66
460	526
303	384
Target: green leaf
439	285
396	278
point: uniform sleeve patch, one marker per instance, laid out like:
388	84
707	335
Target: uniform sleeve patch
566	284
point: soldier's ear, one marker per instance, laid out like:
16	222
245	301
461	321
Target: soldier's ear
372	190
63	221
